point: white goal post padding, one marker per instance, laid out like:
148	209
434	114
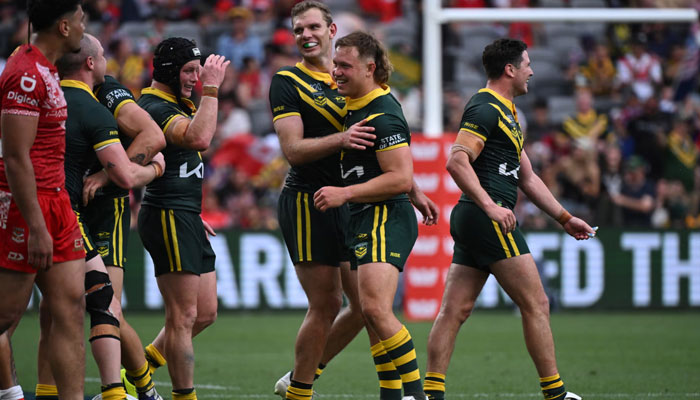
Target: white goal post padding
434	15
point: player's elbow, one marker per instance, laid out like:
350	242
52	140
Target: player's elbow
404	184
453	166
156	141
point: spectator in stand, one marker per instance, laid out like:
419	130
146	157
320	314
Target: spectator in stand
637	196
610	185
648	131
579	178
540	127
239	44
639	70
599	71
587	124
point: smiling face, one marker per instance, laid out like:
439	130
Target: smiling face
522	75
352	74
189	75
312	34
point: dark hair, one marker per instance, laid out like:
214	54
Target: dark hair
44	13
501	53
369	48
305	6
71	62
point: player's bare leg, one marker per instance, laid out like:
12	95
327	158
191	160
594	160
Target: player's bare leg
9	387
63	289
519	278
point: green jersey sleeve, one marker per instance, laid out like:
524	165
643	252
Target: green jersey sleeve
284	97
113	95
391	131
480	119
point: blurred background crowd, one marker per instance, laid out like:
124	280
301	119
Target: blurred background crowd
611	122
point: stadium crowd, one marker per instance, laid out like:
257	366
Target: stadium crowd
612	123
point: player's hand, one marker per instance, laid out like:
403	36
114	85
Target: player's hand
503	216
208	229
92	183
160	160
214	70
40	249
427	207
358	136
330	197
579	229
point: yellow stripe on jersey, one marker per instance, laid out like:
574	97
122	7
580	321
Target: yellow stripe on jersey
308	227
382	234
396	146
300	248
86	239
105	143
479	135
373	116
122	104
320	110
500	237
512	244
374	233
517	142
164	225
176	248
308	87
285	115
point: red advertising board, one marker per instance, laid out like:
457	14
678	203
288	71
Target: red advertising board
426	269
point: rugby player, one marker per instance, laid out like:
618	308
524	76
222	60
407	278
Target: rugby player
488	164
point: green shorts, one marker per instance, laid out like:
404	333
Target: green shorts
176	240
312	235
383	233
478	239
108	220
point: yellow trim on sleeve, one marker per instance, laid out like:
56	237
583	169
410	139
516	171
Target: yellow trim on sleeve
373	116
119	107
290	114
105	143
173	118
480	136
501	238
396	146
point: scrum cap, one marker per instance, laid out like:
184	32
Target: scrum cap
170	56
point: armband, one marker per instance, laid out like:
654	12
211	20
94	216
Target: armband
460	147
210	91
564	217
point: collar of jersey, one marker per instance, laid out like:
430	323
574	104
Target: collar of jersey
319	76
356	104
78	85
500	98
167	96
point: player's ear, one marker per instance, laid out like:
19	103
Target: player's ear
371	67
90	61
333	29
510	70
63	27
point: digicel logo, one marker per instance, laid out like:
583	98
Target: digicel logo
20	98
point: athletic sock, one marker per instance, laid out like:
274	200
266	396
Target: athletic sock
113	391
184	394
154	358
13	393
553	387
319	370
389	378
141	378
46	392
299	391
434	386
403	354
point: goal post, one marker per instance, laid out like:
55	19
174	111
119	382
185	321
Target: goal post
434	16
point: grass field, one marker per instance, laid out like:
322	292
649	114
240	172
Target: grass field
601	356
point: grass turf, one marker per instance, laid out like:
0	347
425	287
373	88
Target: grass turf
601	356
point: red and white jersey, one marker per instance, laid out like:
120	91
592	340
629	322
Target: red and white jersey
30	86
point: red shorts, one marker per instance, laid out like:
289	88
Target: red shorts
60	222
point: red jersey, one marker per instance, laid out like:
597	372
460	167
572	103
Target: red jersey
30	86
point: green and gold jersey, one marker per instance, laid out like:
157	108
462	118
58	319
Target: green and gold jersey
384	113
180	187
113	95
493	118
313	96
89	128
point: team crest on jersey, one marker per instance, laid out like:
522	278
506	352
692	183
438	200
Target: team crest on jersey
102	248
361	250
54	93
320	99
18	235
